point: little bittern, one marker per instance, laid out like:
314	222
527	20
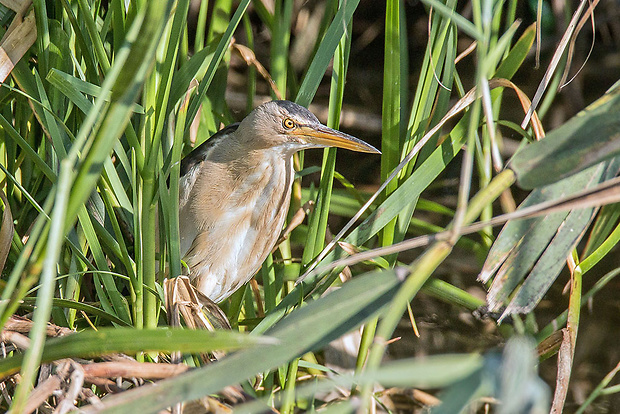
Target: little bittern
235	190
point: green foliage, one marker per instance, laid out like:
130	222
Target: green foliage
95	119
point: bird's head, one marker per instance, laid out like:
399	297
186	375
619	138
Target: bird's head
291	127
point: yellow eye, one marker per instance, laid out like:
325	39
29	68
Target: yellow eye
288	123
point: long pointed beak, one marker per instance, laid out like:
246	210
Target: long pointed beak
326	137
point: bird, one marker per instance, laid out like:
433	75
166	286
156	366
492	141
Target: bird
235	189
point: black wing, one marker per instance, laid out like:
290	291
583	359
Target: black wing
199	153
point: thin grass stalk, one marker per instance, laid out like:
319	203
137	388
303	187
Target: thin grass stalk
391	107
201	24
317	228
47	282
565	362
283	10
288	399
325	52
146	267
171	208
251	78
145	210
86	17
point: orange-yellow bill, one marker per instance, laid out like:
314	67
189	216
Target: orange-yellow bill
324	136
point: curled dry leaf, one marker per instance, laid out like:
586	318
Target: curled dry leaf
298	218
250	59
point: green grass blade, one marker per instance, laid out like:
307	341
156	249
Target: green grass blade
45	294
105	341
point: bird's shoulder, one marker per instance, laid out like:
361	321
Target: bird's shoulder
200	153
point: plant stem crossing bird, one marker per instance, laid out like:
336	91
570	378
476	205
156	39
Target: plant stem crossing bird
235	190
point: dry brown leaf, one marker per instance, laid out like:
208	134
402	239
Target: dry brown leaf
250	59
565	362
41	393
19	37
298	218
16	5
198	310
133	369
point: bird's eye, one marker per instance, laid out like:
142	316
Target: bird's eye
288	123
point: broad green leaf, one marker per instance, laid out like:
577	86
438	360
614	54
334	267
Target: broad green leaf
105	341
591	136
437	371
538	247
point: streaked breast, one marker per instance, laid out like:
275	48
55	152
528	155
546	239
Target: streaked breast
233	219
